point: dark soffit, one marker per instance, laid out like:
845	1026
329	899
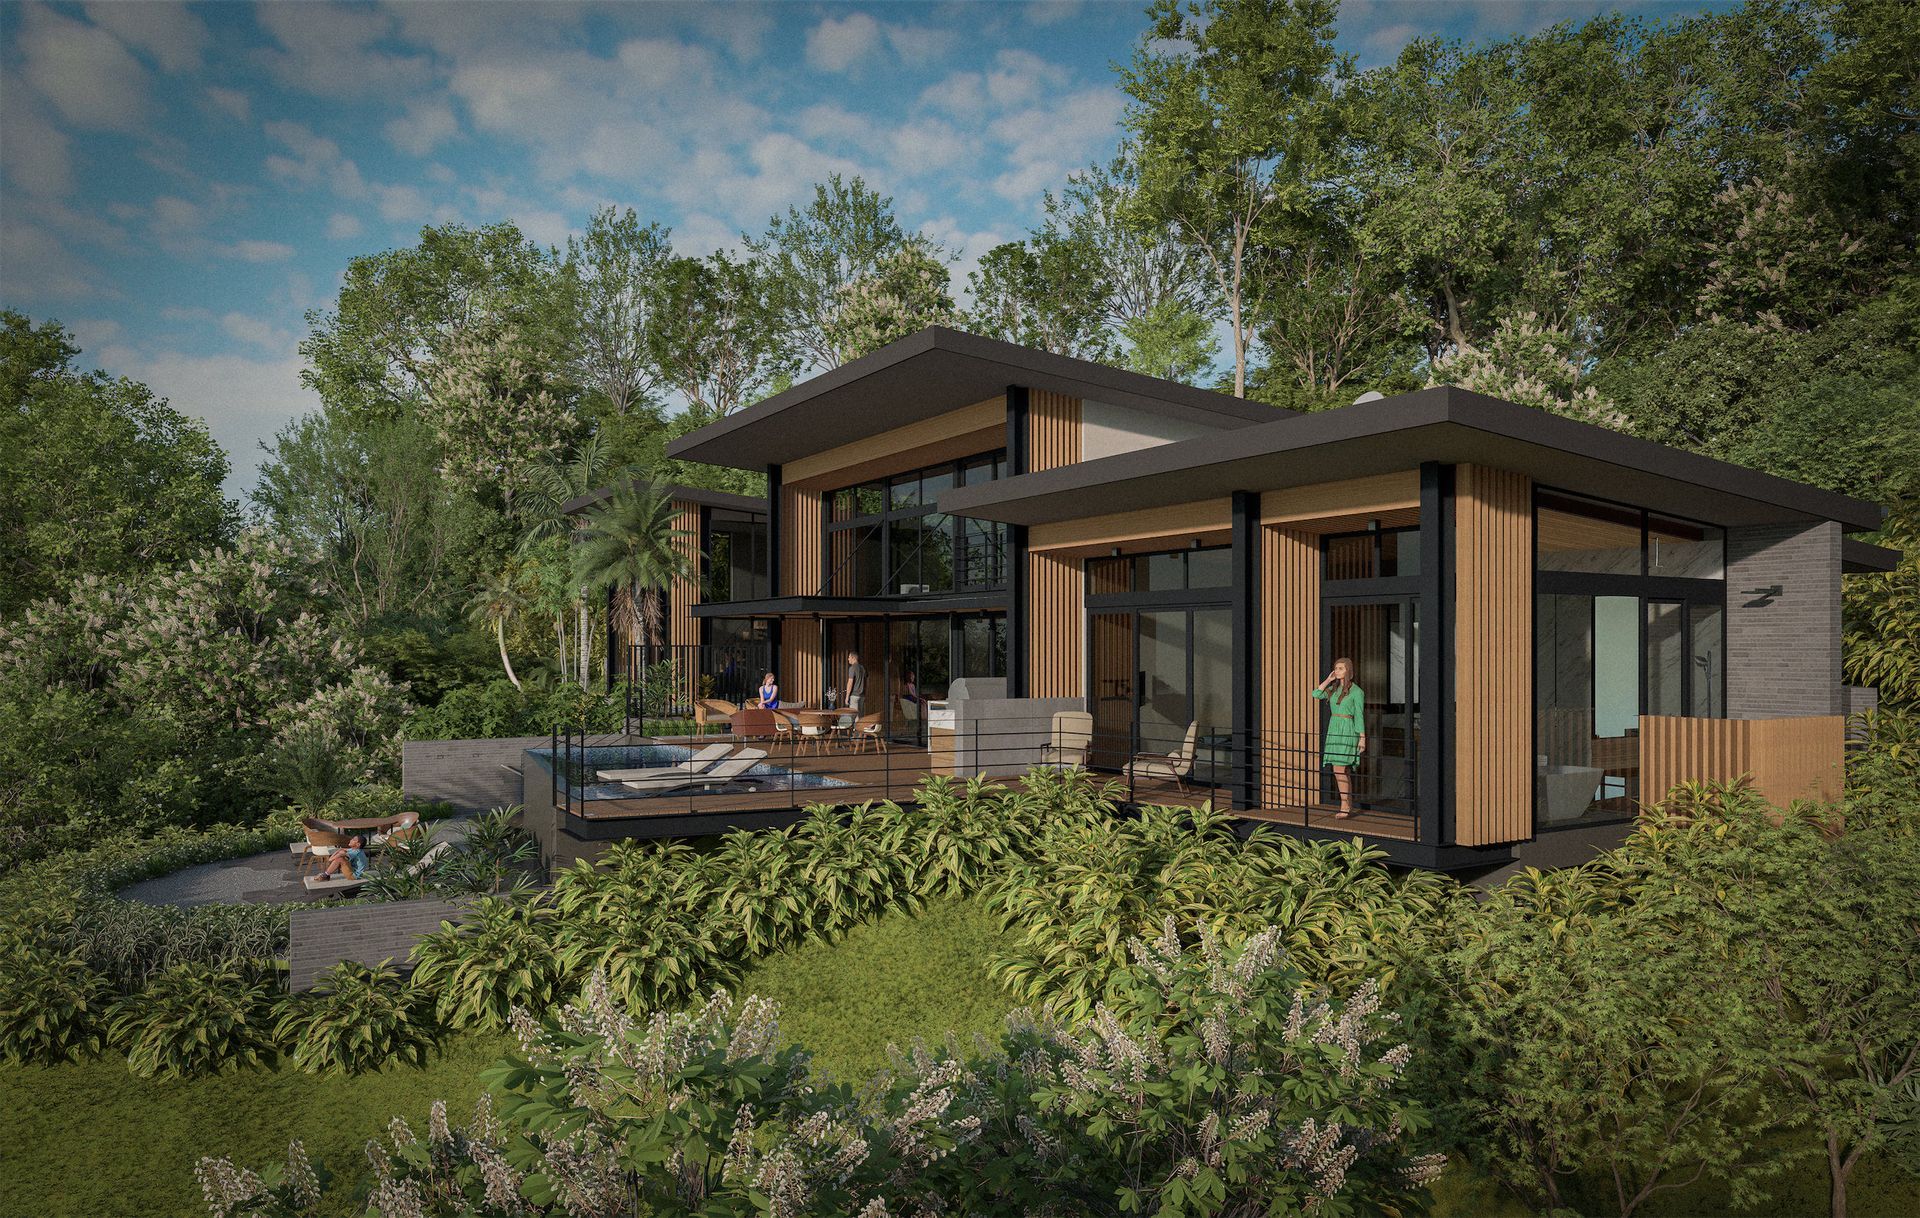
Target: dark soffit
1442	424
930	373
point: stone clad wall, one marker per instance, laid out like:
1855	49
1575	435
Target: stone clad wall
473	775
1783	648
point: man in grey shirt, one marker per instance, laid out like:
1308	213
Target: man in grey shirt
856	681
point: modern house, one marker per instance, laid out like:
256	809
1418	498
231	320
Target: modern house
1550	620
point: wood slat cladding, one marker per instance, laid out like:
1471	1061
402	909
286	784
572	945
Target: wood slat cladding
1787	759
800	557
1053	430
683	629
1056	609
1340	507
1492	656
1290	667
801	670
1141	531
957	433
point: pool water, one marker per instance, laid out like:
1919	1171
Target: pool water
579	766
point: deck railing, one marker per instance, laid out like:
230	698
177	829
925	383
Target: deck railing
827	759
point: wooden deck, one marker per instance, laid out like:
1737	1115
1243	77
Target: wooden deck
895	773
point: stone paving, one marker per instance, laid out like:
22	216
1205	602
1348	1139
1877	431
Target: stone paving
271	878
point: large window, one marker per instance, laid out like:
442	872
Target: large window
1629	620
736	557
885	538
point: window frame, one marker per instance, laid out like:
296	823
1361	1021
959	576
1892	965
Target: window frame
960	548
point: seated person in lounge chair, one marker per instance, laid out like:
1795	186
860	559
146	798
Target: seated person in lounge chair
769	693
350	862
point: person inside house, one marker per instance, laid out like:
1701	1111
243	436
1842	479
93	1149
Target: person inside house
856	682
352	860
1346	729
769	692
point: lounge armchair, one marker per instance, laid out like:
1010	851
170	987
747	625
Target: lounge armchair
705	759
753	723
1175	767
1067	743
322	840
709	711
728	770
354	883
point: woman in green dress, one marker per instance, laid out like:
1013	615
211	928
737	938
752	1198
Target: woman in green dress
1346	729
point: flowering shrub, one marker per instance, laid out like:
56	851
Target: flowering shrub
1219	1085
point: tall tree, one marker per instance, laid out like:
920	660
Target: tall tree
400	311
1049	291
813	255
97	475
1143	269
718	342
1170	342
1233	109
614	277
497	603
497	413
909	290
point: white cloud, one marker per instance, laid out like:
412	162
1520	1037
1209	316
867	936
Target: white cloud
173	215
83	71
171	33
329	50
255	330
243	398
234	103
34	262
38	161
340	226
838	43
252	250
424	127
1046	143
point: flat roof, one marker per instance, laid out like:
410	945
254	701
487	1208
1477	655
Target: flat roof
683	494
931	373
1443	424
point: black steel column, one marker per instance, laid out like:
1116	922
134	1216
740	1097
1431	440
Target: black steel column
1434	790
1016	557
1246	647
773	531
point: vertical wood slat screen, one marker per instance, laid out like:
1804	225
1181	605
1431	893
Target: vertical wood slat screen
683	629
802	680
800	558
1290	664
1056	616
1788	759
1493	656
1053	430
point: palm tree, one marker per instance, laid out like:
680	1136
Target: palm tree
554	484
498	602
631	546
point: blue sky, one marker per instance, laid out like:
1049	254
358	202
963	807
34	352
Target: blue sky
180	183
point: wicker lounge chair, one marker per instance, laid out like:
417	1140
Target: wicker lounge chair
354	883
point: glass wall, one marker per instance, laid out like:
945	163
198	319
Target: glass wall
736	556
884	538
911	661
1629	620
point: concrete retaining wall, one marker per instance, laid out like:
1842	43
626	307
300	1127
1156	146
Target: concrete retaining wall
366	931
472	775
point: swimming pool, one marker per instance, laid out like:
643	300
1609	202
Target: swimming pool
579	766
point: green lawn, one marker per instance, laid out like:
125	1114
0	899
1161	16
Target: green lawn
91	1140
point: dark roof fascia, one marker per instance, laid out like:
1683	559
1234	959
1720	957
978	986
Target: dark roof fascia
802	606
1214	465
682	494
1864	558
1013	364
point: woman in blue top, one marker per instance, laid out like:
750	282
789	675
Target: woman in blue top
769	693
1346	729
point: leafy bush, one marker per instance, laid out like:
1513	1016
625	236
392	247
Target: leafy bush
52	1006
645	919
130	943
501	956
195	1019
1222	1085
358	1019
495	710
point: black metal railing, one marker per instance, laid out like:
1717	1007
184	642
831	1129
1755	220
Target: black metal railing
666	682
788	761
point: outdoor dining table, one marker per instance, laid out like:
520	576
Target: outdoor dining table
822	717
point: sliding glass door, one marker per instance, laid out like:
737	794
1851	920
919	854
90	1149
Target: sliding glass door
1154	674
1382	638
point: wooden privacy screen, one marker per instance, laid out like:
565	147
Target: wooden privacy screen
800	521
1053	430
683	629
1056	603
1492	656
801	670
1788	759
1290	668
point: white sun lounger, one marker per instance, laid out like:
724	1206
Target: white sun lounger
352	883
728	770
705	759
